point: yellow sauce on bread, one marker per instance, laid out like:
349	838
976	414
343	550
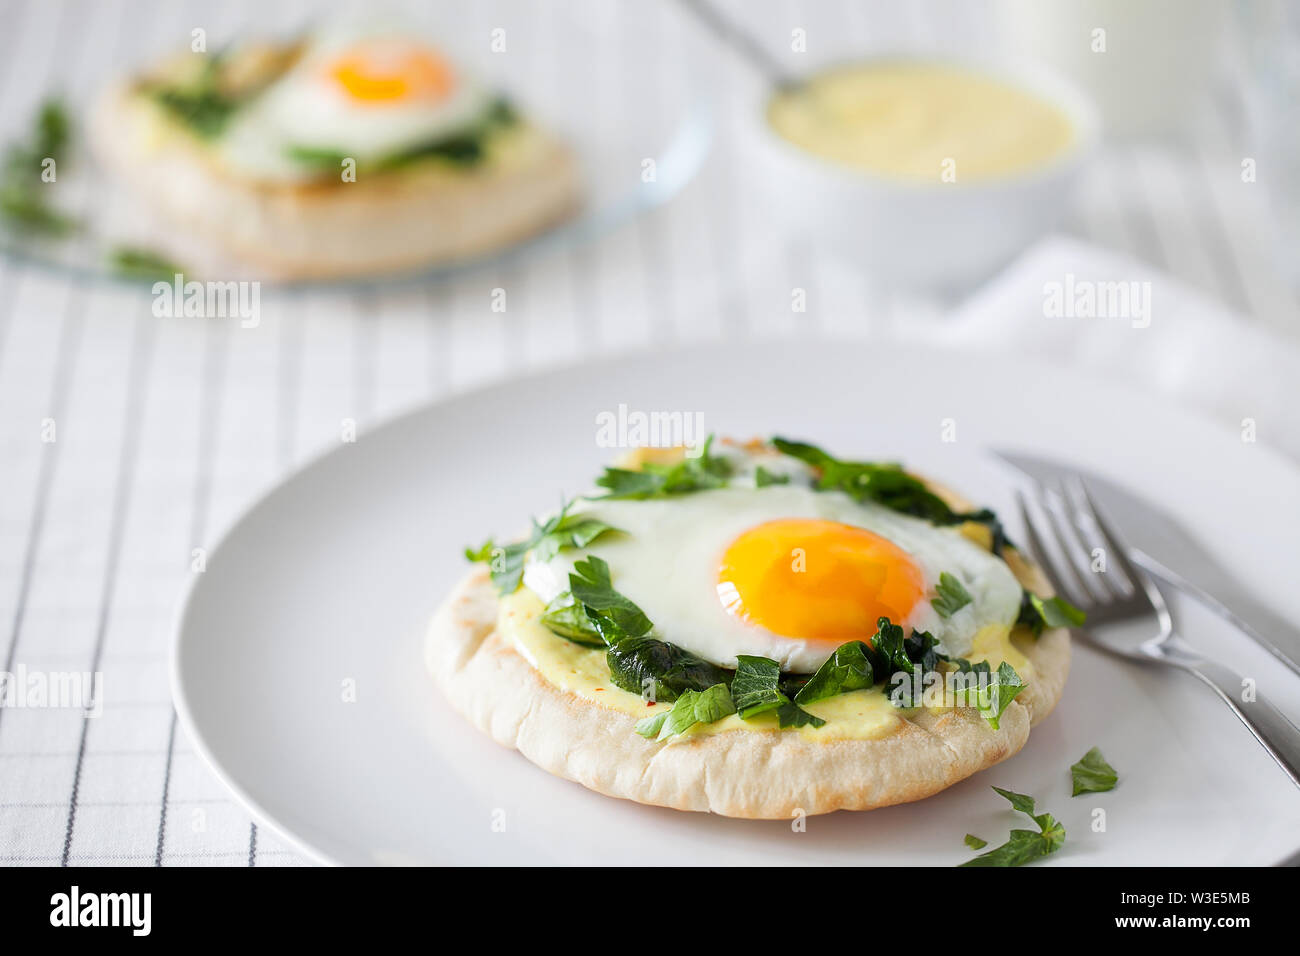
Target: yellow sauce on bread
580	670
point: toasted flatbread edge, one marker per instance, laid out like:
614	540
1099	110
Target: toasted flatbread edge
392	223
758	774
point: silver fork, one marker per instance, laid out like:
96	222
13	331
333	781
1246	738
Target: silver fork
1127	614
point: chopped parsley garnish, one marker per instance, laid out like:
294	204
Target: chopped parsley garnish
567	618
950	595
999	692
649	726
791	714
1038	613
906	663
1023	846
466	148
702	472
562	530
849	668
691	708
658	670
592	613
763	478
974	842
1092	774
592	587
756	689
1057	612
887	484
198	103
137	263
22	203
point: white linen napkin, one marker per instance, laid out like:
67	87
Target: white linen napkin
1141	327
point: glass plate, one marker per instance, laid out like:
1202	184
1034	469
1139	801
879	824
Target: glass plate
618	82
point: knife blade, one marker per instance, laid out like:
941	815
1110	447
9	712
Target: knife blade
1161	545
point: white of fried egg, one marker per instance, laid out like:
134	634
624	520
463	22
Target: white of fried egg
364	94
785	572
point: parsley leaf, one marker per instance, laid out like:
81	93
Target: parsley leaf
199	102
562	530
594	612
714	703
791	714
1092	774
1023	846
999	692
135	262
907	661
700	473
23	204
505	562
974	842
566	617
657	669
763	478
624	483
951	596
1038	613
756	686
681	717
1058	612
849	668
904	662
694	707
52	129
570	531
649	726
1018	801
889	647
591	586
465	148
921	649
887	484
756	689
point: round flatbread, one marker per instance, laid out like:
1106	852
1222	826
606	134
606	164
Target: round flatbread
427	214
757	774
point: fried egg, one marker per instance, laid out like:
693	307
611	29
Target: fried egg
361	93
785	572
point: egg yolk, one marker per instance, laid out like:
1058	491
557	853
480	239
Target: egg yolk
379	73
817	580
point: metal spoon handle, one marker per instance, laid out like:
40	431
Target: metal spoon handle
742	41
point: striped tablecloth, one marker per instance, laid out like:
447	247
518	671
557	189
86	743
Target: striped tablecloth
128	442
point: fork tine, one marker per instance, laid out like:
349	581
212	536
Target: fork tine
1041	555
1071	545
1111	541
1083	516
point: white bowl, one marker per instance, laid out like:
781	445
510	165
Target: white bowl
917	233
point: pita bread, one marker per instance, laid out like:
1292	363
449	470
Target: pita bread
757	774
423	215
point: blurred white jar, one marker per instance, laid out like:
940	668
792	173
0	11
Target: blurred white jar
1149	65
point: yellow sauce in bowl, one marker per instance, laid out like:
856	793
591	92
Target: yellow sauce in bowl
924	122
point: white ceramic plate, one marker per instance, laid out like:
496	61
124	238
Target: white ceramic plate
332	577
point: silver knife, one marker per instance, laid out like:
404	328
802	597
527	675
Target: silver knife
1158	543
